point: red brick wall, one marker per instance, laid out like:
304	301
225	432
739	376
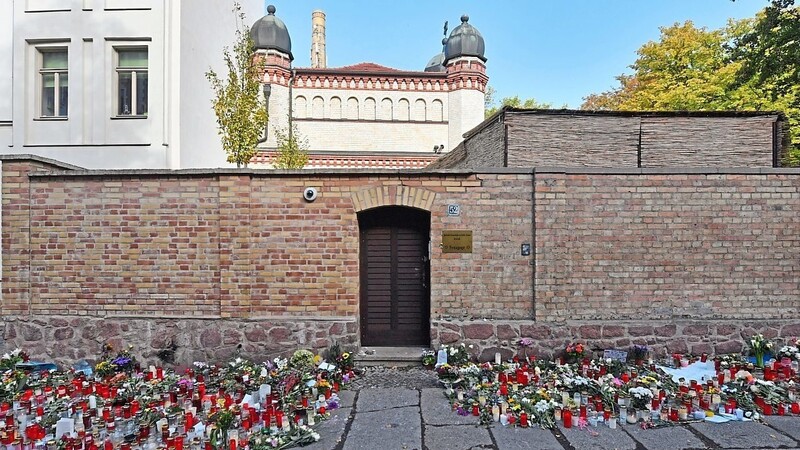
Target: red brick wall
247	245
608	246
671	245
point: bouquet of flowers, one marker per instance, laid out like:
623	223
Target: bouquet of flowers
112	363
638	353
759	346
790	351
575	352
640	397
457	355
9	360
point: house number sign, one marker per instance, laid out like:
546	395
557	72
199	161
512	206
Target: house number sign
453	210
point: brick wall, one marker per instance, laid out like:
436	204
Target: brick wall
621	140
619	246
611	249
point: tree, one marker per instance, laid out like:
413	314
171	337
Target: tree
292	150
515	102
240	109
695	69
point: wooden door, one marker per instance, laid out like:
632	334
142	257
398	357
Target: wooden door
395	292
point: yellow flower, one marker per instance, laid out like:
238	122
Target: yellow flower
345	355
317	359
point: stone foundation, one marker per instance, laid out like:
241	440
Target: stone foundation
663	337
66	339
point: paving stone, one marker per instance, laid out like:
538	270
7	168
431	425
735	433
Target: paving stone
743	435
456	437
380	399
331	431
436	410
787	425
346	398
667	438
535	438
600	438
390	428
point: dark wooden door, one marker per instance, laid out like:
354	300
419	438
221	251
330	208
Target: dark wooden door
395	292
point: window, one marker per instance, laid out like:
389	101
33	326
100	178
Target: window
54	82
131	81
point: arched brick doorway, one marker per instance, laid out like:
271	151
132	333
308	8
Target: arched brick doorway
395	276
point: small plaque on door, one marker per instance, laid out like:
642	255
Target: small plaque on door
457	241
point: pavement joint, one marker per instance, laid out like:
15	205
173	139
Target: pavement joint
703	438
561	439
779	431
350	420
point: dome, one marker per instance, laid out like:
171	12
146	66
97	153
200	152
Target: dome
435	64
270	33
465	40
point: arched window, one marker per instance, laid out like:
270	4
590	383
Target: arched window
300	107
369	109
403	109
437	111
317	107
352	108
386	109
335	110
420	111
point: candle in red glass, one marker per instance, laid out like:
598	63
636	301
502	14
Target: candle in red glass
673	414
188	422
232	444
503	389
475	410
583	412
795	408
523	419
606	415
279	416
567	416
655	402
160	373
322	410
625	377
179	443
781	409
767	408
108	445
305	402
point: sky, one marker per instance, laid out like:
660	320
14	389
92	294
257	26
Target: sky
555	51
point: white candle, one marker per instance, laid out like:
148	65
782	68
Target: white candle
497	357
496	413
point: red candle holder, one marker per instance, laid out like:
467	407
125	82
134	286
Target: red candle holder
567	416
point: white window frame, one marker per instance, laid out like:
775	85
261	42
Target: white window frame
57	75
133	72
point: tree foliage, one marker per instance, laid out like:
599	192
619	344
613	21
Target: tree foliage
292	150
239	107
515	102
751	64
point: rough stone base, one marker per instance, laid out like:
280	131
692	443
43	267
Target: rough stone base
180	342
663	337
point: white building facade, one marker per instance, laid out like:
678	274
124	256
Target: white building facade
113	83
121	84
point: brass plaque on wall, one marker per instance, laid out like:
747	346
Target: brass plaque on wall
457	241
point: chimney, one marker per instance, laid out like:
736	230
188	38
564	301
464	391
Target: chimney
318	58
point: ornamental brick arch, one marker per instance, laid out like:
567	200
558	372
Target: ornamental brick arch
413	197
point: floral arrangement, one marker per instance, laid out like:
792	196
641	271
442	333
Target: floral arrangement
640	397
112	363
790	351
575	352
759	346
10	360
457	354
428	358
638	353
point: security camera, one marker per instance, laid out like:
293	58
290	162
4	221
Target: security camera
310	194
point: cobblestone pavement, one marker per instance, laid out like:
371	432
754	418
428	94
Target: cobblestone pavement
405	408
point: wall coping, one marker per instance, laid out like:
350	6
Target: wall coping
41	159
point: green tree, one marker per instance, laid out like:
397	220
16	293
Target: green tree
696	69
292	150
516	102
239	107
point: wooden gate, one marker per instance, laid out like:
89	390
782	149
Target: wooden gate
395	267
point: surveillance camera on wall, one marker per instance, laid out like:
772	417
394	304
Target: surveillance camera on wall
309	194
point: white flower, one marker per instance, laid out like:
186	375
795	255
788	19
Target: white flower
6	356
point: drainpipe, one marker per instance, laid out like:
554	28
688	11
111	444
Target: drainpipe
291	102
267	91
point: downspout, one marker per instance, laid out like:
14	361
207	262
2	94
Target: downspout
267	91
291	103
